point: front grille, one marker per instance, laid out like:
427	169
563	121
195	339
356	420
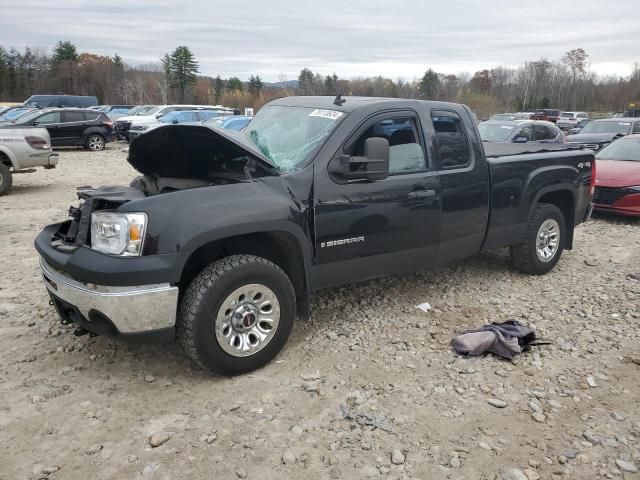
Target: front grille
138	128
592	146
608	195
123	126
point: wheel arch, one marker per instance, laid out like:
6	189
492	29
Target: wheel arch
8	158
563	197
278	246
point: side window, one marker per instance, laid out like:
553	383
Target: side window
526	131
207	114
69	117
405	151
636	127
49	118
543	133
451	139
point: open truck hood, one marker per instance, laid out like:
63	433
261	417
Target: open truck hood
191	151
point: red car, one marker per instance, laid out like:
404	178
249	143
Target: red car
546	114
618	177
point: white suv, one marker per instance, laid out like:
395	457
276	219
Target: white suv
568	120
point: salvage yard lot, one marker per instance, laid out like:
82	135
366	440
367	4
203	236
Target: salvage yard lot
369	387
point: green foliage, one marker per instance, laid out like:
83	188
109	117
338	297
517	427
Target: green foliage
234	84
64	51
255	85
218	89
330	84
182	67
429	85
306	82
118	63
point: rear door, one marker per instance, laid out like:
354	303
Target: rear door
371	228
464	180
72	127
543	134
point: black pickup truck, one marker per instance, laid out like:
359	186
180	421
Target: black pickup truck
222	239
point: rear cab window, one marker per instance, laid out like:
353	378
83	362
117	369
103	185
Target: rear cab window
451	139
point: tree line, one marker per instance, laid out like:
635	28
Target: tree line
567	83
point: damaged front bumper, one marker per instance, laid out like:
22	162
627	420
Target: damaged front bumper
145	313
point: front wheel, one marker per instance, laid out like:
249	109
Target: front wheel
6	179
543	242
95	142
236	315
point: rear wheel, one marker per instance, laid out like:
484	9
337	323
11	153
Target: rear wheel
6	179
236	315
95	142
543	242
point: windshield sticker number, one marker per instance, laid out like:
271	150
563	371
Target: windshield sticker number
625	124
507	127
330	114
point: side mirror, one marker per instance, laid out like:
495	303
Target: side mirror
158	115
36	123
374	165
175	120
520	140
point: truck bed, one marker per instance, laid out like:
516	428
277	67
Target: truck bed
493	150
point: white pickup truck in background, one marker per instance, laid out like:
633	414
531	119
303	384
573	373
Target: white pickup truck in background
21	150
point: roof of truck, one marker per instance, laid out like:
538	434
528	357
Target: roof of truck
350	103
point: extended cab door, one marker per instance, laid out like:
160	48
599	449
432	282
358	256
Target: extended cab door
464	179
365	229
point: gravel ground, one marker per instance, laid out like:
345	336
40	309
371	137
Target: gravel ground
369	387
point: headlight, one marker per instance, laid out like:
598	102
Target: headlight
118	233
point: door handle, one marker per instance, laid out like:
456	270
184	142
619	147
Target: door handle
421	194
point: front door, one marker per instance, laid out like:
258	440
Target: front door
51	121
371	228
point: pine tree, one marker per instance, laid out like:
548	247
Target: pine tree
235	84
429	85
183	68
65	51
330	84
118	63
255	85
218	89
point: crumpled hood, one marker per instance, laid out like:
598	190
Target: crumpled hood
190	151
592	137
617	173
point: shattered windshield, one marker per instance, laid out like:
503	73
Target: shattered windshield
290	135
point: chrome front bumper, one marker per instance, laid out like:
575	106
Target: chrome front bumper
131	309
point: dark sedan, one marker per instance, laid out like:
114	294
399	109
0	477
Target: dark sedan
599	133
618	177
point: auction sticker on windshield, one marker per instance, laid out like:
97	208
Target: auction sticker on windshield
330	114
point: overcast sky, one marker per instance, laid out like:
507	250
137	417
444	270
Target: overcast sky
276	38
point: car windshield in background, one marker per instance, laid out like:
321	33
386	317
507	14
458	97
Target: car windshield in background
170	117
27	117
607	127
566	115
495	132
148	111
17	113
289	135
622	149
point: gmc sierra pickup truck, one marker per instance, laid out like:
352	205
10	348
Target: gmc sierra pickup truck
225	235
21	150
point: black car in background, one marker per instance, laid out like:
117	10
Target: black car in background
61	101
70	126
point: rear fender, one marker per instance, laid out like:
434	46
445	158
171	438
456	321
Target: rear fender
6	153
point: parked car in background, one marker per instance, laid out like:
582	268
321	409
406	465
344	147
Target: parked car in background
503	116
579	126
122	124
632	112
21	150
546	114
70	126
618	177
520	131
14	113
115	111
599	133
236	122
568	120
180	116
61	101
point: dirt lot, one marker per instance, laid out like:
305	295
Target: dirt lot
368	388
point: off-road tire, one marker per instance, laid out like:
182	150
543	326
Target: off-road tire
195	329
6	179
523	255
